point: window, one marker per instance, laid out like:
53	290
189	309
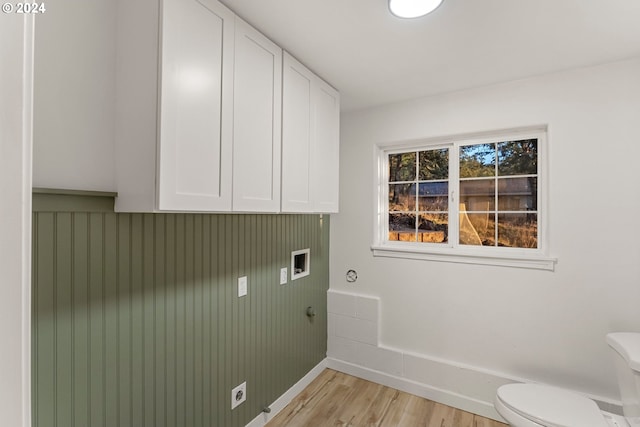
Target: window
477	199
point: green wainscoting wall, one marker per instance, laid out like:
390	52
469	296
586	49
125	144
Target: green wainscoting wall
137	322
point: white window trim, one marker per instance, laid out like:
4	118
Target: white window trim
497	256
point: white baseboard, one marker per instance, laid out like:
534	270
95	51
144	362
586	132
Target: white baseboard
445	397
288	396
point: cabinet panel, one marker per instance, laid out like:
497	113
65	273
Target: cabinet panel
256	121
213	117
194	170
326	148
310	141
296	137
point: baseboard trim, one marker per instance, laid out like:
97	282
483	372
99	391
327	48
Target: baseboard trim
446	397
280	403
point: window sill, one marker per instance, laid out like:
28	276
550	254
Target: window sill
536	262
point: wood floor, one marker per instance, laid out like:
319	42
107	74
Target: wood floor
337	399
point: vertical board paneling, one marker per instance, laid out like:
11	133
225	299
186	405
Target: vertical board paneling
63	321
171	293
137	322
110	327
160	321
180	301
148	329
125	321
44	315
80	307
97	371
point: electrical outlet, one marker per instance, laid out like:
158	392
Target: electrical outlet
283	276
238	395
242	286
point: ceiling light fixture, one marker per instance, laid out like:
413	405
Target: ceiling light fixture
412	8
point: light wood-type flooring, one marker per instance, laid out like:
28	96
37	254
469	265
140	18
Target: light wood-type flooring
337	399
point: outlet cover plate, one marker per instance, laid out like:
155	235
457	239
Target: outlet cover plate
283	276
242	286
238	395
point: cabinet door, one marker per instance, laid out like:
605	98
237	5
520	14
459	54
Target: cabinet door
194	161
310	141
326	147
296	136
257	124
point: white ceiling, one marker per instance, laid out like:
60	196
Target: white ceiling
374	58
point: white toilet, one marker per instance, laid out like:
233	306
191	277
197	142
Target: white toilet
534	405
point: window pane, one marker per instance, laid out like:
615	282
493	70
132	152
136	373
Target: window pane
402	227
433	196
518	230
402	167
477	229
477	160
478	195
518	157
433	228
518	194
433	164
402	197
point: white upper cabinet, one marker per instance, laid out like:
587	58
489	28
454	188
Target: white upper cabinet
174	119
207	122
296	136
326	148
257	123
196	113
310	141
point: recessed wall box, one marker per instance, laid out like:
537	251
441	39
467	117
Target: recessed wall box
300	263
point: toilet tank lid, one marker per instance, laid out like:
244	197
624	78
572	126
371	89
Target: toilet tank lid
627	344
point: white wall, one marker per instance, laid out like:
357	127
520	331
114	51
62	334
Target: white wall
541	326
74	109
16	85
